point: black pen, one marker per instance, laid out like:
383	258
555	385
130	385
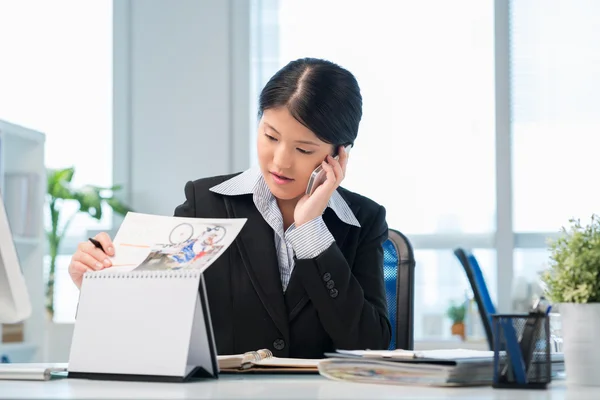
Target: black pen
96	243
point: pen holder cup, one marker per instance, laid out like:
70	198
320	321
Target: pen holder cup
521	351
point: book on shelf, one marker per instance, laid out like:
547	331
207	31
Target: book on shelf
21	194
13	333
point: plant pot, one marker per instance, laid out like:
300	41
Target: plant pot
580	327
458	328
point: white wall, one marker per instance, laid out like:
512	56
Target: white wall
182	73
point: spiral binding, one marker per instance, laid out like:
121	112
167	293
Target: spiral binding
185	274
251	357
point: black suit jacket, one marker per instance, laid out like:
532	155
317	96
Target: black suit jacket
334	301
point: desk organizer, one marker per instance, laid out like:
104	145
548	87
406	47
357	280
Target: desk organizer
521	351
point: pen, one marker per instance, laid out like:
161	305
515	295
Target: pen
540	308
96	243
99	246
513	350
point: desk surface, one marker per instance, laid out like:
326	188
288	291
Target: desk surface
270	386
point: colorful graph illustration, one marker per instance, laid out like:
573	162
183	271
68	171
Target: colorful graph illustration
186	248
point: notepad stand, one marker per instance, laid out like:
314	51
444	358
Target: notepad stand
143	325
521	351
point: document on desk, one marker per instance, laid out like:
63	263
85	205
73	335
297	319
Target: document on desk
455	367
442	354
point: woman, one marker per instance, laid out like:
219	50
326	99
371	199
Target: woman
304	276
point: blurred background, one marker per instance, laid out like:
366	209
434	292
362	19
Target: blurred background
480	127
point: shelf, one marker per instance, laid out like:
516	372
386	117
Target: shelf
18	346
22	152
14	131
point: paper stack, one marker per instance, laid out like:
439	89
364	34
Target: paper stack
431	368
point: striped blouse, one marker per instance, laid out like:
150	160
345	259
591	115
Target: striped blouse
307	241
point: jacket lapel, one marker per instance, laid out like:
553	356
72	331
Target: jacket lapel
338	229
256	246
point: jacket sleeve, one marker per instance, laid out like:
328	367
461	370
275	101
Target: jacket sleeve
351	302
188	207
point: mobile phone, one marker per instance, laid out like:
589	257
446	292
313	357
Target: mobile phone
319	176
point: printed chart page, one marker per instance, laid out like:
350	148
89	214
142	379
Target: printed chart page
148	242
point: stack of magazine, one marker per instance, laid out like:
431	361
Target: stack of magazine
430	368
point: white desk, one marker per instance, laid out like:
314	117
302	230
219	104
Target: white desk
271	387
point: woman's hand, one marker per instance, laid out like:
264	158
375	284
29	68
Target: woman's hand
89	258
313	206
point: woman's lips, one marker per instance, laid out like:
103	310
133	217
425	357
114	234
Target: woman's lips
280	179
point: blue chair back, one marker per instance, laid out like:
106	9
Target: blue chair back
480	290
398	271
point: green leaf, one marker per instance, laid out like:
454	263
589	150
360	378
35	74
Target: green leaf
117	206
90	199
59	181
573	276
456	312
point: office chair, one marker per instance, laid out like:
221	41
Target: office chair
480	291
399	275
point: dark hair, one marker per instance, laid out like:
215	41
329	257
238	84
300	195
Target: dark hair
321	95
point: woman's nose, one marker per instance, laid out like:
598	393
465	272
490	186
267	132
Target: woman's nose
282	158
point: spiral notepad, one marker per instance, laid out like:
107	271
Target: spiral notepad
148	325
125	273
147	317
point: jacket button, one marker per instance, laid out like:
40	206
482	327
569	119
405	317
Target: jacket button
333	293
326	276
279	344
330	284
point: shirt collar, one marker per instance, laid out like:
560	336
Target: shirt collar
251	181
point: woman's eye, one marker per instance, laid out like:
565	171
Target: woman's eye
270	137
304	151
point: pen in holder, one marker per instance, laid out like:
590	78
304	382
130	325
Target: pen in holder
521	351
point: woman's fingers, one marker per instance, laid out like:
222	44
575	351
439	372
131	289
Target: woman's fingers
77	267
97	254
106	243
88	260
331	178
338	173
343	158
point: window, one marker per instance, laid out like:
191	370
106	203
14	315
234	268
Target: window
440	280
555	124
56	77
556	112
425	149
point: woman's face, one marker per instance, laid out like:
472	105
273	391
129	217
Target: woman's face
288	152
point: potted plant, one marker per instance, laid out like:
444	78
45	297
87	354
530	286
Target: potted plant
572	282
456	313
90	199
